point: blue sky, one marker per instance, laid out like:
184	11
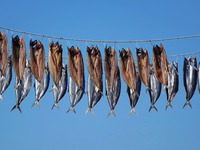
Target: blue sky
109	20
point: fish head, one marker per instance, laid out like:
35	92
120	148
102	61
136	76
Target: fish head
15	40
122	54
156	50
39	45
1	37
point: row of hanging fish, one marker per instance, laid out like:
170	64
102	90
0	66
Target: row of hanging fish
153	76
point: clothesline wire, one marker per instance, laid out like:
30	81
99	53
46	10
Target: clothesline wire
100	41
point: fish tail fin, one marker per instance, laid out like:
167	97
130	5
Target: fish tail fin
187	103
89	110
168	105
1	98
154	107
111	112
55	104
132	111
71	109
16	106
36	103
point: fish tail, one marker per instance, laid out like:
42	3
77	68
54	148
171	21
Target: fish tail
132	111
89	110
154	107
36	103
16	106
1	98
187	103
55	104
71	109
168	105
111	112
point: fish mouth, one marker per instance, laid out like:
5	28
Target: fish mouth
156	50
139	51
16	39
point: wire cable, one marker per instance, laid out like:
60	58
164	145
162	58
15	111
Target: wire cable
101	41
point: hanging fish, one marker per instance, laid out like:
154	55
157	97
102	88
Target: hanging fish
198	77
75	94
23	90
37	59
76	79
61	89
76	67
3	53
18	56
95	83
189	78
155	87
8	77
127	67
55	61
143	65
160	64
112	75
173	82
41	90
133	97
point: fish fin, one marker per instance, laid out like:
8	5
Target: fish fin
152	106
55	104
168	105
16	106
36	103
1	98
111	112
132	111
89	110
187	103
71	109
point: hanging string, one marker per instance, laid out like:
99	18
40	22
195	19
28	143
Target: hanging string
102	41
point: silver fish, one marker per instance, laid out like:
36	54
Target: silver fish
113	93
94	94
22	90
173	82
61	89
155	87
199	77
4	83
75	93
189	78
134	96
41	88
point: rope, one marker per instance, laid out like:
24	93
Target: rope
101	41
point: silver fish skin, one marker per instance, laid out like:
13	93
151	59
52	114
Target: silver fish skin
155	87
26	81
22	90
189	78
134	96
61	87
18	94
41	88
173	82
199	77
5	82
94	94
113	94
75	94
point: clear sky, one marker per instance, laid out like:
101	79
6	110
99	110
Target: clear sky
110	20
